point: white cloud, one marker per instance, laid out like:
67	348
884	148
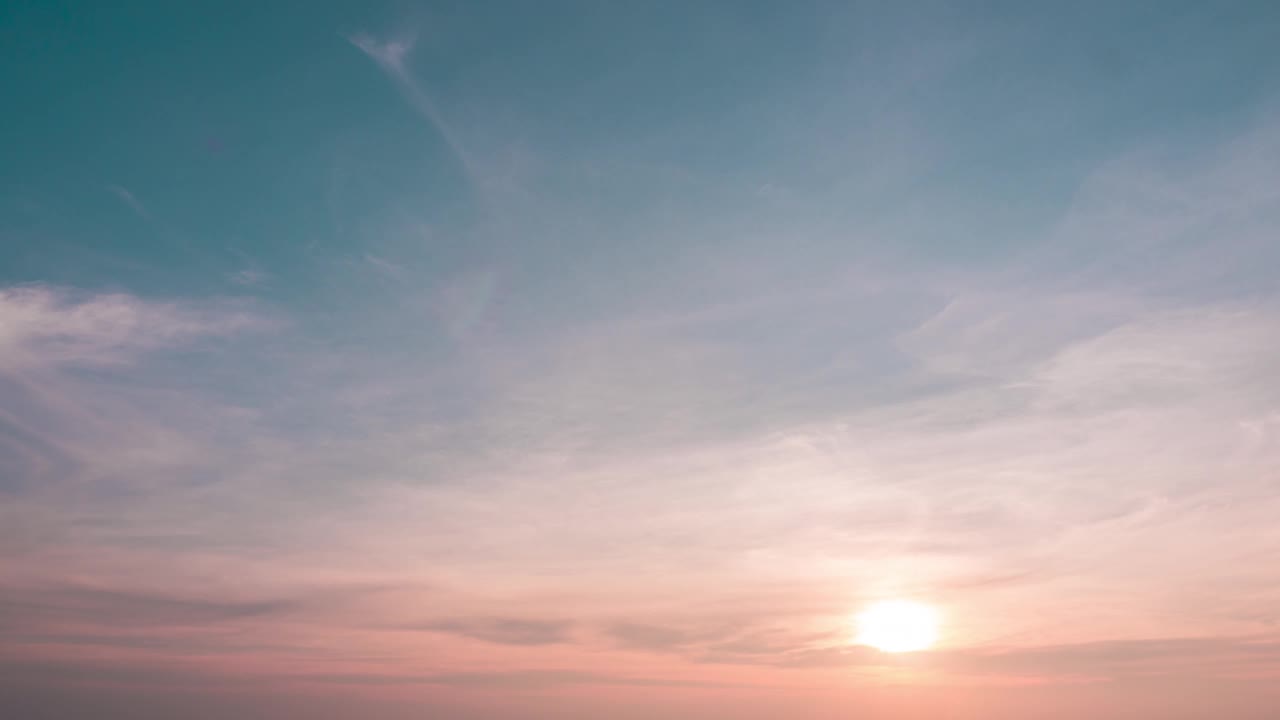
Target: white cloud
47	327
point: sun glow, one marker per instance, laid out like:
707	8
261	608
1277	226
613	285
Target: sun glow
898	626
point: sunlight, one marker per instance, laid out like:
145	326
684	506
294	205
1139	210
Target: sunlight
898	626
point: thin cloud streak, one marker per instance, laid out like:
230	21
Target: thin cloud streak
391	56
128	198
505	631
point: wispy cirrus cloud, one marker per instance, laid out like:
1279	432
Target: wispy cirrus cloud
128	198
392	57
49	327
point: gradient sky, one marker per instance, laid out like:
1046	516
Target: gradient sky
523	360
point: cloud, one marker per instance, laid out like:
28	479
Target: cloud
131	200
750	640
506	631
249	277
385	267
108	691
517	680
71	409
392	56
49	327
1175	656
649	637
32	607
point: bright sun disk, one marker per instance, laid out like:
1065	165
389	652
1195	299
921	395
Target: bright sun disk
898	626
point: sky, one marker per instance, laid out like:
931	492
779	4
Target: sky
522	360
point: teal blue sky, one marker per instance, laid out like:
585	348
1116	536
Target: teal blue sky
364	356
254	136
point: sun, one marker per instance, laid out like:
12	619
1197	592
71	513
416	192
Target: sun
898	626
